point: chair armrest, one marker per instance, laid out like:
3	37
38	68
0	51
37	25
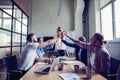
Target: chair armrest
14	74
14	71
112	76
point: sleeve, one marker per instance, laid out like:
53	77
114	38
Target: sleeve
48	47
105	60
69	44
36	45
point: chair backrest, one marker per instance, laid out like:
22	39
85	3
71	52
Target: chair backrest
11	62
61	53
114	64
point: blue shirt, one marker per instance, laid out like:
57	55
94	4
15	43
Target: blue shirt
41	51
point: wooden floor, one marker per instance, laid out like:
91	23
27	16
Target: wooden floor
2	75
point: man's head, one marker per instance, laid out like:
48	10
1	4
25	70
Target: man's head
82	38
59	31
40	39
97	39
31	37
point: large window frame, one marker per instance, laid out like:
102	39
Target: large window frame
17	29
107	21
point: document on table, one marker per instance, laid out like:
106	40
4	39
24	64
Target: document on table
70	62
69	76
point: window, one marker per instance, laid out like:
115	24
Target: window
13	28
110	19
117	19
107	22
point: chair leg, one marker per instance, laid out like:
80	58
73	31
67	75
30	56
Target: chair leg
8	76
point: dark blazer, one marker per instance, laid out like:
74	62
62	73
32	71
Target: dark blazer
77	49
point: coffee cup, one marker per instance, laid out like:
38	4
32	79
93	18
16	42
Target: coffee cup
60	66
89	73
76	68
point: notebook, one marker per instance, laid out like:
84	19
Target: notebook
47	69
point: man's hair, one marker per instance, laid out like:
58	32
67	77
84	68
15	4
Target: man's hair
29	37
99	37
82	38
38	39
59	29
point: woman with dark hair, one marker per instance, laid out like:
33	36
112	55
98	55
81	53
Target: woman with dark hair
98	57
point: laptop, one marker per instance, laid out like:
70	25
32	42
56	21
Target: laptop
47	69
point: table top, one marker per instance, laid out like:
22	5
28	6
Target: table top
54	75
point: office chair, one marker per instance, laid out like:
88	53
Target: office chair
114	65
11	65
58	53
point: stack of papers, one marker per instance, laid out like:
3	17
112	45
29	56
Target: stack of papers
69	76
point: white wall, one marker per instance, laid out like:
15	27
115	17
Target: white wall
45	19
78	8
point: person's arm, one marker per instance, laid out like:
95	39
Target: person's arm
48	47
46	43
43	59
105	60
69	44
79	43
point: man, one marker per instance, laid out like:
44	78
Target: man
98	56
59	45
80	53
29	55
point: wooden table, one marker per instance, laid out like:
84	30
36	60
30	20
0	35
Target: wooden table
30	75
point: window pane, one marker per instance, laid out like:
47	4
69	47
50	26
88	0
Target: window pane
23	40
0	22
0	14
117	18
9	11
4	51
17	26
106	16
24	29
6	15
7	51
17	13
103	2
7	24
5	38
16	39
24	19
0	18
16	51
